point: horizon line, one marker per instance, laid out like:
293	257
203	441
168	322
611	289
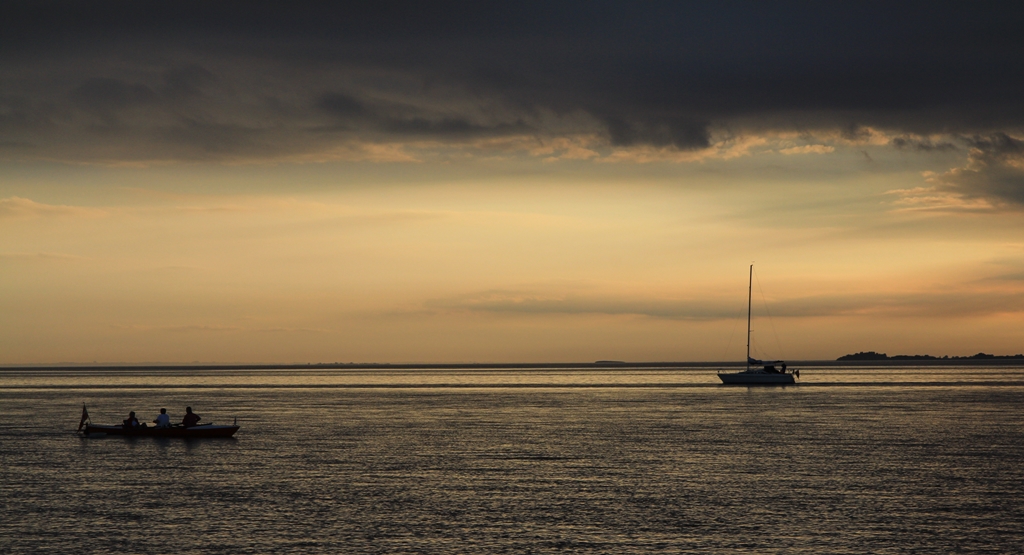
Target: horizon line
604	364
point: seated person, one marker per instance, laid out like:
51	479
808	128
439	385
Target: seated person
191	418
131	421
163	421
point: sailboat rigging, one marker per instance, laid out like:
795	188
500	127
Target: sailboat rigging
759	372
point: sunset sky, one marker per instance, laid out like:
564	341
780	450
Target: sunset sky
465	182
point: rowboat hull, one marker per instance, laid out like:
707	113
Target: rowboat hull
201	431
756	378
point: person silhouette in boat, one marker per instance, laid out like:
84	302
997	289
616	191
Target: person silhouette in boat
131	421
191	418
163	421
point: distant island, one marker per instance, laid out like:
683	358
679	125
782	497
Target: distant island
871	355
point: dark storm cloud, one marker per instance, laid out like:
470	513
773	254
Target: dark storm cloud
997	144
106	96
352	114
186	82
291	77
679	132
921	144
994	169
342	105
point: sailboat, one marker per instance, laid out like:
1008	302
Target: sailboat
759	372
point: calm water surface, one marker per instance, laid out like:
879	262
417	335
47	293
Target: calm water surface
926	460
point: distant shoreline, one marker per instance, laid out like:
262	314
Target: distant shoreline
875	357
603	365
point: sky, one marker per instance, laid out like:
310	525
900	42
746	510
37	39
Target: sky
236	182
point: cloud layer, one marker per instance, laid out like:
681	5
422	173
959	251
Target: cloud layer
143	83
994	169
962	303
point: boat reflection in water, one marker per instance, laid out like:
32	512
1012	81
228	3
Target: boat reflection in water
759	372
198	431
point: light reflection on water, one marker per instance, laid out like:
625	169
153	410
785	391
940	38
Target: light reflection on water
681	466
484	377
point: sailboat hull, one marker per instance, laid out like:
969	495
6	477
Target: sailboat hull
757	375
756	378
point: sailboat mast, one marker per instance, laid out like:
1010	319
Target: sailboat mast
750	290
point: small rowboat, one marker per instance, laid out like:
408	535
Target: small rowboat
198	431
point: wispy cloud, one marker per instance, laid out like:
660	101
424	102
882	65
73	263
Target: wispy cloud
293	330
200	328
936	199
41	256
18	208
724	149
532	302
807	149
346	152
960	303
214	328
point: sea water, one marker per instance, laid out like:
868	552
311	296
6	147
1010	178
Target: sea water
850	460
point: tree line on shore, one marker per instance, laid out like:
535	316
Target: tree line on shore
871	355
